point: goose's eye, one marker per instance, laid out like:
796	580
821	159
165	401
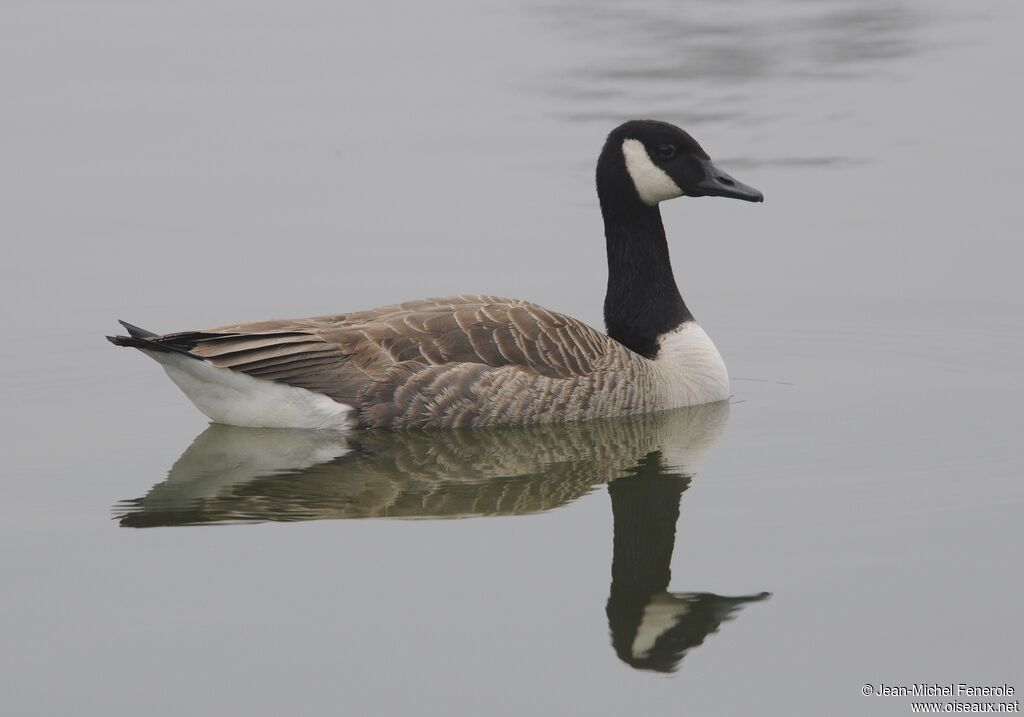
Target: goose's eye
667	151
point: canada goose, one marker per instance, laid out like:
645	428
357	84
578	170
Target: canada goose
484	360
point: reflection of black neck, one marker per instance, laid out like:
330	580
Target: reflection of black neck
645	508
642	301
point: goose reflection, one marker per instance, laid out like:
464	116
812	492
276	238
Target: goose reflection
238	475
652	629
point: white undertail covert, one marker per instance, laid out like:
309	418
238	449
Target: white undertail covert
231	397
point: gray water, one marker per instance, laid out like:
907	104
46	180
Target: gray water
852	517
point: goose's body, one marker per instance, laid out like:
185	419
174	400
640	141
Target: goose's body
455	361
483	360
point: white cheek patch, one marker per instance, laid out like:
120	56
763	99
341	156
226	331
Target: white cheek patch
652	183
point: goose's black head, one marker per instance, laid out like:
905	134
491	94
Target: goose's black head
645	162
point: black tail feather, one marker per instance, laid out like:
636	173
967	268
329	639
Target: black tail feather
142	339
140	343
124	341
135	332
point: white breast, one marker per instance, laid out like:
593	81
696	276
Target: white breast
689	369
231	397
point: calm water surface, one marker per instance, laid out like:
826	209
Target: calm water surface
851	516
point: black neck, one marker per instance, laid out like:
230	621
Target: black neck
642	301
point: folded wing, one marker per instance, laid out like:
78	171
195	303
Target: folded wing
363	356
